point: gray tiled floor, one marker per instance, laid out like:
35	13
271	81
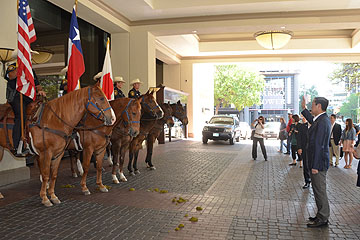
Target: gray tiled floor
241	199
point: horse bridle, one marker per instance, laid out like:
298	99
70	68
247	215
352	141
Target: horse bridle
125	111
95	104
148	106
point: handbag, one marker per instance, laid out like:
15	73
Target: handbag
283	135
253	133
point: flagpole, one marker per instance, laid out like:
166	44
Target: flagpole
21	97
76	5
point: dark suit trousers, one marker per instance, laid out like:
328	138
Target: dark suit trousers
306	167
254	148
322	203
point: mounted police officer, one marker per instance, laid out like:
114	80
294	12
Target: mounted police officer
13	98
118	83
134	92
97	78
63	85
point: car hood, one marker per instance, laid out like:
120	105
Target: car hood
219	125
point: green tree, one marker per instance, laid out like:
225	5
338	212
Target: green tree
348	73
349	109
311	93
236	86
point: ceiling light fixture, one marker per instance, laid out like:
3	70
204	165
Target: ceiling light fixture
194	31
273	39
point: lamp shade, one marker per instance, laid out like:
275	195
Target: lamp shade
6	55
273	39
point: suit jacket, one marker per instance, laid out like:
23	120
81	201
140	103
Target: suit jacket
302	136
318	141
336	131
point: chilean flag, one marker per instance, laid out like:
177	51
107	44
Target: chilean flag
106	82
76	66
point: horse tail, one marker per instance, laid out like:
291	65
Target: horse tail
1	153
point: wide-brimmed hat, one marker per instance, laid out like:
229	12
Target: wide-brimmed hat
135	81
64	71
118	79
98	75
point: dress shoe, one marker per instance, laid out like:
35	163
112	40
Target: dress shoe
287	153
306	185
265	159
254	159
317	224
292	164
312	218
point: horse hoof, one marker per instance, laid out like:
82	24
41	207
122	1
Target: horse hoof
153	168
75	175
123	179
137	172
132	173
1	196
104	190
55	200
116	181
47	203
86	192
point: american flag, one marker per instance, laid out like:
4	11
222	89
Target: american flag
26	35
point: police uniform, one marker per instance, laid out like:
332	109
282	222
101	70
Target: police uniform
62	85
134	93
13	98
118	93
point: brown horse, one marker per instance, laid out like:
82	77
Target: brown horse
51	134
178	111
120	140
95	141
147	124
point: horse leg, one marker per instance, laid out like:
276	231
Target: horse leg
123	150
44	165
87	153
54	171
79	164
136	170
131	156
110	154
72	163
149	151
115	151
99	165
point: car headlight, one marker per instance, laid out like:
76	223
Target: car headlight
228	130
206	128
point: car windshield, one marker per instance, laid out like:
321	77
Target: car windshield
272	125
222	120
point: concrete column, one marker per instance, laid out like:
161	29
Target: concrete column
296	94
142	58
186	85
120	57
11	169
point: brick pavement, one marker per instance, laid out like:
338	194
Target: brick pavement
241	199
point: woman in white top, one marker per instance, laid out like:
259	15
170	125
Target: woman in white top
258	124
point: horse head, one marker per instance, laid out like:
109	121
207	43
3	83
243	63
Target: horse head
98	106
150	106
168	114
131	117
179	112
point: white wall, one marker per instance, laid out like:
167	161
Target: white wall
203	96
172	76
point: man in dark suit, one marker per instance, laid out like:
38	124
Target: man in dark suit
302	140
318	157
334	140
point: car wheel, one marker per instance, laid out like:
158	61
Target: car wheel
232	141
205	140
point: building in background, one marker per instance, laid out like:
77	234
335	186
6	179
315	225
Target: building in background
280	96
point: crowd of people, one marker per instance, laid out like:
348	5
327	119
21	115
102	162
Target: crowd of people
313	139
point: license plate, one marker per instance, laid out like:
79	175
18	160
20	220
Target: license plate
216	134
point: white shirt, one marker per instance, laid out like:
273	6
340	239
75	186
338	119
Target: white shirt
318	116
259	131
332	127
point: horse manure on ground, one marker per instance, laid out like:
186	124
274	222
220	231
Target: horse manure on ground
181	225
199	208
131	189
68	186
164	191
193	219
